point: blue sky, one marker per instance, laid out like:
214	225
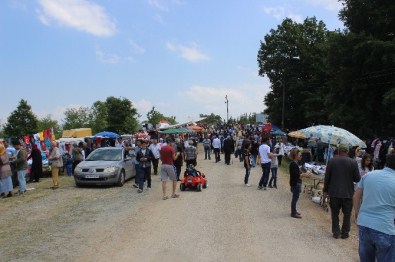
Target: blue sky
181	56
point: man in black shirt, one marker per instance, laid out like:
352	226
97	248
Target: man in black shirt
341	173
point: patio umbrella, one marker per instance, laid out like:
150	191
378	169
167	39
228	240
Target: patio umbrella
107	134
333	135
297	134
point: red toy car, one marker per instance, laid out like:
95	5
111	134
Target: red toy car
193	179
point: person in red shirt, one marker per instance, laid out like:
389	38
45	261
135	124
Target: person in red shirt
167	169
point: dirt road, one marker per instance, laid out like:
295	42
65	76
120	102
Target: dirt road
225	222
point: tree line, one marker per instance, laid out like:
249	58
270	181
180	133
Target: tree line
114	114
343	78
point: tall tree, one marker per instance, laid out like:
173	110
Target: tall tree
374	18
155	116
76	118
211	119
122	116
362	69
22	121
98	117
293	58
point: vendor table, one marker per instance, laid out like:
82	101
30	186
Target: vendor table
317	179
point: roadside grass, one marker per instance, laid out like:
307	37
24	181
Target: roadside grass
35	191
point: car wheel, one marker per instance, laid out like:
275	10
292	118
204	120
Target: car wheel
199	187
121	180
77	184
182	187
205	184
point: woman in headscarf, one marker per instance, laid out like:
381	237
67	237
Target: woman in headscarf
37	164
5	174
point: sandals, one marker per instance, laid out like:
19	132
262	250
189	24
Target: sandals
172	196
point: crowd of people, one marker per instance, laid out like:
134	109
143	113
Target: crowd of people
348	170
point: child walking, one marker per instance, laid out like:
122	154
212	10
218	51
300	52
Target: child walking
273	167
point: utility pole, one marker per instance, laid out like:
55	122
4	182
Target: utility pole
227	108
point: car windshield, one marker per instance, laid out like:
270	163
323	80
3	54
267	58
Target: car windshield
105	155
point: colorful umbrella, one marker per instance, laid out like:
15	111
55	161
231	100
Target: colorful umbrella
333	135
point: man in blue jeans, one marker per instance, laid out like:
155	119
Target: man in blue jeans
21	166
264	152
375	216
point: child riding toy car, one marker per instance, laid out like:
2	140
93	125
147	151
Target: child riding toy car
193	179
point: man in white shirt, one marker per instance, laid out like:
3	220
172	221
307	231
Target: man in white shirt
264	152
155	149
217	148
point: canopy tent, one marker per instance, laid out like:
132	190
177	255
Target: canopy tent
196	128
107	134
77	132
176	131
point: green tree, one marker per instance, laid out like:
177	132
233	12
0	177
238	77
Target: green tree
76	118
361	66
211	120
374	18
122	116
1	129
247	119
22	121
154	117
98	117
48	122
293	58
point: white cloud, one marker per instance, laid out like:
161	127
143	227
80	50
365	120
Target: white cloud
58	112
138	49
245	99
159	19
190	53
295	17
277	12
332	5
159	4
107	58
143	107
18	5
164	5
79	14
281	12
